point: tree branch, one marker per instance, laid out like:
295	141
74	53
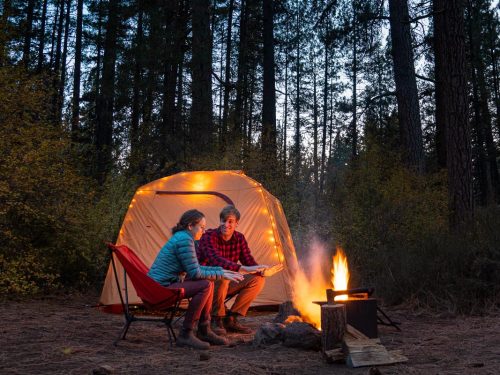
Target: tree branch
383	95
425	78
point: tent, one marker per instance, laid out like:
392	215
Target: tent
157	206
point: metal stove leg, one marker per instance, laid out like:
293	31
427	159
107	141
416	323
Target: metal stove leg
389	321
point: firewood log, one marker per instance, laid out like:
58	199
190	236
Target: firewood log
333	326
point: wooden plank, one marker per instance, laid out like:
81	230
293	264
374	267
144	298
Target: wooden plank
334	356
355	333
369	353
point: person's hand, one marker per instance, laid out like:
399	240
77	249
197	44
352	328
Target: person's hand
233	276
253	269
272	270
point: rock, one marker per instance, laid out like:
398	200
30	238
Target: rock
268	333
103	370
302	335
285	310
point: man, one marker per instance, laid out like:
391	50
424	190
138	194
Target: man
225	247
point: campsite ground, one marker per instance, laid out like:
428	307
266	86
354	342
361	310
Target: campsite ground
65	335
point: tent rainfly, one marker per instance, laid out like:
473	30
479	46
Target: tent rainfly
157	206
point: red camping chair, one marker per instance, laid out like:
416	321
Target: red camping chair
154	296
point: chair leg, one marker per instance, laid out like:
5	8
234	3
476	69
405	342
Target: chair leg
171	334
124	331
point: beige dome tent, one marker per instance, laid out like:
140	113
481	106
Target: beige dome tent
157	206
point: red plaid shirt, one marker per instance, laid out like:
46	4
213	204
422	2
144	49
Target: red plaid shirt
212	250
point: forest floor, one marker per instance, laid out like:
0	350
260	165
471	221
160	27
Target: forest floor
66	335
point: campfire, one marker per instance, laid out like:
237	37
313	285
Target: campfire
344	326
310	287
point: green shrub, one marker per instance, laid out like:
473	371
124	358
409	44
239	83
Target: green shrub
394	227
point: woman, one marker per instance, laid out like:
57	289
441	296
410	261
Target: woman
177	256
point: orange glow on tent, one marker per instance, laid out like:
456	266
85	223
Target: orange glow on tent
201	182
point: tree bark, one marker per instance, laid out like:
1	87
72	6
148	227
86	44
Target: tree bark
62	82
135	154
449	25
104	128
5	35
201	109
315	136
325	118
439	71
227	77
297	140
285	111
406	86
28	29
333	326
489	179
269	92
41	37
75	117
354	122
241	81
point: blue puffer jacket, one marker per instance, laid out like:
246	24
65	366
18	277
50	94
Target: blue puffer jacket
179	255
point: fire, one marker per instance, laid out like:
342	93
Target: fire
340	273
310	287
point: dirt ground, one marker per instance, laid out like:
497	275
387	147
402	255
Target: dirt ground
66	335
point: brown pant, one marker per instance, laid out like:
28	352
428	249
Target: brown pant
245	290
201	293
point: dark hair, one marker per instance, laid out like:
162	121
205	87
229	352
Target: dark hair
191	217
229	210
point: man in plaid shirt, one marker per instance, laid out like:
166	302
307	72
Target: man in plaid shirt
225	247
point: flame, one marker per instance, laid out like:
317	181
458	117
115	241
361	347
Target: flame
340	273
311	286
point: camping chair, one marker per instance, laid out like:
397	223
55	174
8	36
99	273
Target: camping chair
154	296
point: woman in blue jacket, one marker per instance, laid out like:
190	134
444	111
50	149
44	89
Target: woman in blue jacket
178	256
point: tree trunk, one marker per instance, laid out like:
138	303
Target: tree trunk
486	147
227	77
27	33
41	37
325	119
492	37
241	86
269	93
75	118
57	51
62	83
5	33
285	111
53	35
135	154
201	109
297	137
315	137
449	25
406	86
104	128
354	123
439	71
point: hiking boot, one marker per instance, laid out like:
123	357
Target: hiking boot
205	333
218	326
232	325
187	338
